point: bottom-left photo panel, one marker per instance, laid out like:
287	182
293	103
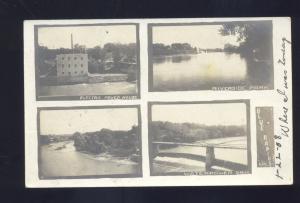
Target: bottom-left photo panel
89	142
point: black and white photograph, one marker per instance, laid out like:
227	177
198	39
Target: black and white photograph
83	62
199	138
87	142
224	56
165	102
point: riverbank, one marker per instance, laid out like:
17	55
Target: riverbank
114	142
62	160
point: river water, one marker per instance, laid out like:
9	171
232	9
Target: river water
62	160
207	70
106	88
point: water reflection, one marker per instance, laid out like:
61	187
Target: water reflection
207	70
181	58
260	72
173	59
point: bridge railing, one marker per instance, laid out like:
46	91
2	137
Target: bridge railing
209	158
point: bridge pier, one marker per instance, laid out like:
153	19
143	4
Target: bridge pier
155	150
210	157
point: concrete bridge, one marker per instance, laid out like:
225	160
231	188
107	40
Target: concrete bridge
209	158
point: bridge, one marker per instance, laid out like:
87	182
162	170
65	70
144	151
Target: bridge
209	158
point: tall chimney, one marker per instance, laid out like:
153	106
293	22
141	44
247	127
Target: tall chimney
72	42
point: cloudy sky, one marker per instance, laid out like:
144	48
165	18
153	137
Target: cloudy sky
90	36
86	120
201	36
208	114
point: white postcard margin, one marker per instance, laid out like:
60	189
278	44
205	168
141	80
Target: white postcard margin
275	98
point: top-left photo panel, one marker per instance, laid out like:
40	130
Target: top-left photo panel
87	62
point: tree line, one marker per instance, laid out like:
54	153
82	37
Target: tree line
159	49
115	51
191	132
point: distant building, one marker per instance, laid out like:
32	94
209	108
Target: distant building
72	65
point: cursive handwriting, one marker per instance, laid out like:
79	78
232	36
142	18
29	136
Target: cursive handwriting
283	50
283	94
283	118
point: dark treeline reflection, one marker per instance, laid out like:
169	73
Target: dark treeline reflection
173	59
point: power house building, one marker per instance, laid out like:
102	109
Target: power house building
72	65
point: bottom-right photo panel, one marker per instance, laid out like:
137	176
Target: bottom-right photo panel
199	138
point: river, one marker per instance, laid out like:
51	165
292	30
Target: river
62	160
106	88
207	70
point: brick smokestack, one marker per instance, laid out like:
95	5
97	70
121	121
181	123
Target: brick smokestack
72	42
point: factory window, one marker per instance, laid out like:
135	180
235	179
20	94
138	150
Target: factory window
62	58
69	65
75	72
81	65
81	58
75	65
63	72
69	73
62	65
69	58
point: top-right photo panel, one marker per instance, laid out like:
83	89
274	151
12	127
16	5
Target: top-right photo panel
225	56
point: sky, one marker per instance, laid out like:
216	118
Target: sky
207	114
86	120
90	36
201	36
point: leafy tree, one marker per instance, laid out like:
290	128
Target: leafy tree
255	38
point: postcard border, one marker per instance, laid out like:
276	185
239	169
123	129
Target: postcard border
140	167
69	98
249	153
150	51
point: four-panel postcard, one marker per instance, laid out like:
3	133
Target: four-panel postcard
158	102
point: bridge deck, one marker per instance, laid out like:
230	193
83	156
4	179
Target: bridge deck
224	146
